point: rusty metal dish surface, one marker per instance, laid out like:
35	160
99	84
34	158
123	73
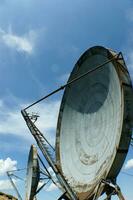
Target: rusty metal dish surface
94	123
32	174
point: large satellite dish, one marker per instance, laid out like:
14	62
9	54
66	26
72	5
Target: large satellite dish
33	174
95	121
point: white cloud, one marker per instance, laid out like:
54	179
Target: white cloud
24	43
19	43
129	164
51	187
7	165
13	123
52	174
47	187
6	185
40	184
50	170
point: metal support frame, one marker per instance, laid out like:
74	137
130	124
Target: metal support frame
47	173
110	190
63	197
47	176
40	139
13	185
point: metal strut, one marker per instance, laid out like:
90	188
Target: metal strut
113	189
45	151
14	186
116	57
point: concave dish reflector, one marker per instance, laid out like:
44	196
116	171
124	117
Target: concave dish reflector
33	174
94	123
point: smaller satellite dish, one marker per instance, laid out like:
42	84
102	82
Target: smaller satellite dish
33	173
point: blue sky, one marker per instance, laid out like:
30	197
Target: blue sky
40	41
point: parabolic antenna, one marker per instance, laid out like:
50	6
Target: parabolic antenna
95	121
33	174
